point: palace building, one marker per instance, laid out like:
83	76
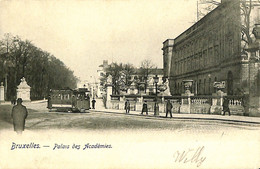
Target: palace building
211	50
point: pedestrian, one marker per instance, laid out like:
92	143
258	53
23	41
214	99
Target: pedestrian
144	109
127	107
226	106
19	114
93	103
49	104
13	100
168	108
245	104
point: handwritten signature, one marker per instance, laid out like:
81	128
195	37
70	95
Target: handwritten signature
190	156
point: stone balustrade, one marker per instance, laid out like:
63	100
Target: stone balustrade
198	104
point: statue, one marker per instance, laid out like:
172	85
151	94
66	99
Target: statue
23	90
167	88
187	86
109	79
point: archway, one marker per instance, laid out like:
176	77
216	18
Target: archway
230	83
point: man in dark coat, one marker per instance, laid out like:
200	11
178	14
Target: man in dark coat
226	106
127	107
245	104
49	105
93	103
168	108
145	109
19	114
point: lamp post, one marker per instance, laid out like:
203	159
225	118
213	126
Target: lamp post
156	80
156	108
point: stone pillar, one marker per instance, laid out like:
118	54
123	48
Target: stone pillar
186	101
122	102
2	93
217	99
109	93
139	104
24	90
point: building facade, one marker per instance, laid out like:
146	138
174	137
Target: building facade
167	56
101	90
210	51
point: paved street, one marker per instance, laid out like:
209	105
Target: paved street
144	141
40	118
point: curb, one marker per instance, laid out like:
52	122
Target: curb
183	118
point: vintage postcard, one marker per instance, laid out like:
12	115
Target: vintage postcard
111	84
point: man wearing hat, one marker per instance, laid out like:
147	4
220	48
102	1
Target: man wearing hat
19	114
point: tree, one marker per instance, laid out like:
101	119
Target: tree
115	70
146	69
42	71
127	73
206	6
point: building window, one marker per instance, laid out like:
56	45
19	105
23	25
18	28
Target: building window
205	58
209	85
199	87
231	47
216	52
178	88
200	60
210	56
204	86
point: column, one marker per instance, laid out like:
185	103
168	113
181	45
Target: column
109	93
186	101
2	93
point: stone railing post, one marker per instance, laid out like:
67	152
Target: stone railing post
217	102
109	93
2	93
139	104
186	100
217	99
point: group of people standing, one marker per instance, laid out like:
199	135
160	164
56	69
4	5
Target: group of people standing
169	107
145	108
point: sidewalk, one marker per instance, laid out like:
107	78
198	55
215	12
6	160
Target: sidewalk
238	119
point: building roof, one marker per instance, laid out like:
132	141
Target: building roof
194	27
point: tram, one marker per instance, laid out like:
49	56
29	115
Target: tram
68	100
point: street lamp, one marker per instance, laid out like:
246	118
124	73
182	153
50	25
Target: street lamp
156	80
156	107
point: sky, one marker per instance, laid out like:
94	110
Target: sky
83	33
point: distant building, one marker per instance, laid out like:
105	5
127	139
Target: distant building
210	50
101	90
145	84
139	83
